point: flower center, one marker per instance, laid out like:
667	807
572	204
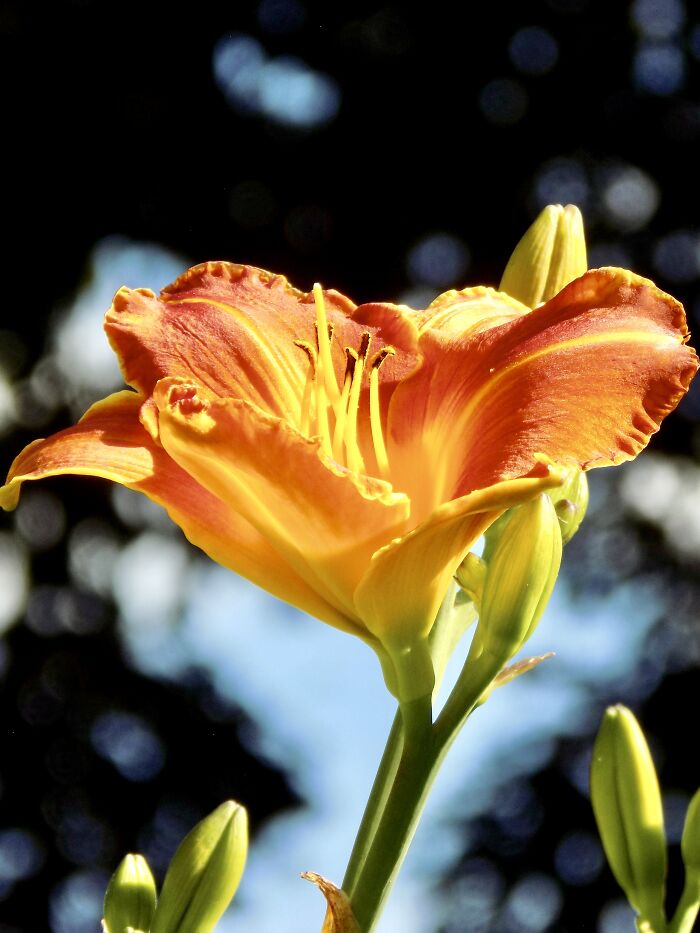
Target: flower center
329	411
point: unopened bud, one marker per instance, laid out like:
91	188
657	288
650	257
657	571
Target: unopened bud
520	578
690	843
550	255
627	805
471	576
571	501
204	873
130	900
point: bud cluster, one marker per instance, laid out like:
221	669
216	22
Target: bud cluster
202	878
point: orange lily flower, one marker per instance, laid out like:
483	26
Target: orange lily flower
347	458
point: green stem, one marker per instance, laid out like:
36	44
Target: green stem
688	906
414	753
375	804
412	759
419	762
465	696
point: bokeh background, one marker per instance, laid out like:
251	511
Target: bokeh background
390	152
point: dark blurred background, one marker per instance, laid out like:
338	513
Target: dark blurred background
391	152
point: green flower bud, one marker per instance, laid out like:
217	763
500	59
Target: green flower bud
550	255
571	501
627	806
471	576
520	578
130	900
690	843
204	873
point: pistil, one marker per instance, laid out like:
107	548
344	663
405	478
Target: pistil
355	460
375	418
342	411
325	358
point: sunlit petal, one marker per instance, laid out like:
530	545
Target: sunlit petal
587	378
230	328
400	594
469	311
323	519
109	442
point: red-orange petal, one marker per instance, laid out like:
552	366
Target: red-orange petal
109	442
324	520
230	328
585	379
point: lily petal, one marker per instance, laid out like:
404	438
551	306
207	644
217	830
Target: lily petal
109	442
470	311
586	377
400	594
230	328
321	518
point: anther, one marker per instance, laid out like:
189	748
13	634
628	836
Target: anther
342	410
364	345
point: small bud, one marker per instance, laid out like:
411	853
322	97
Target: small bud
130	900
690	843
471	576
550	255
520	578
627	805
571	501
204	873
494	534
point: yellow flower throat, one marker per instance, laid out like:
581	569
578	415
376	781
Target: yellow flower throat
331	412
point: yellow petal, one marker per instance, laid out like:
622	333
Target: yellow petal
322	519
470	311
400	594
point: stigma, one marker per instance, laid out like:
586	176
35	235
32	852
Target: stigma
331	411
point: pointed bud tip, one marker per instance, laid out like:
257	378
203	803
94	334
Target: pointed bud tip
630	824
130	900
690	841
204	873
551	254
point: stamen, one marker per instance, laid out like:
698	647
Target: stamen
325	359
375	418
342	411
355	460
322	427
305	411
